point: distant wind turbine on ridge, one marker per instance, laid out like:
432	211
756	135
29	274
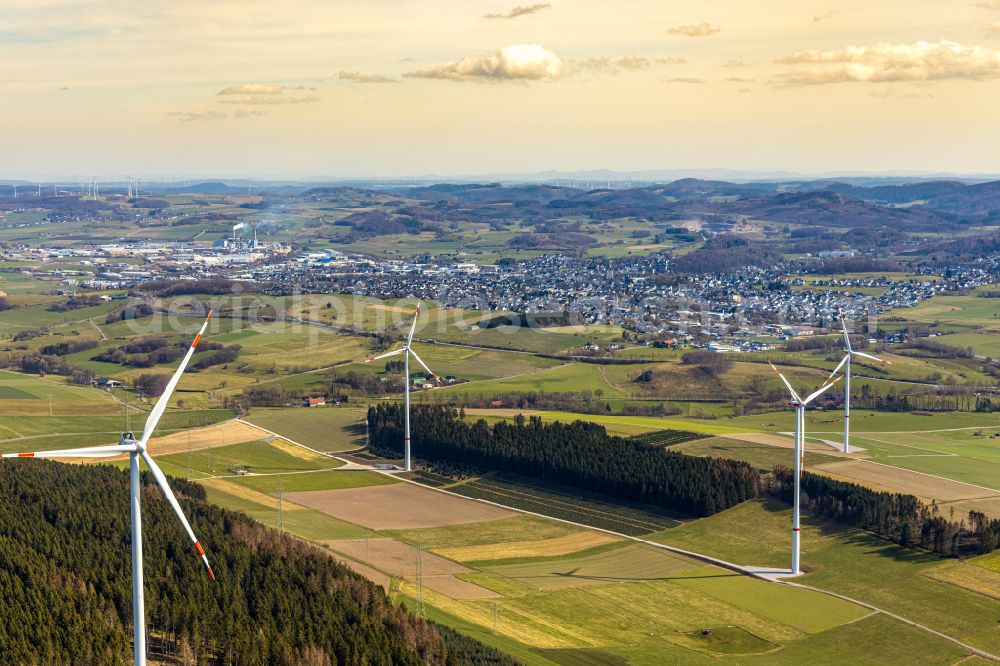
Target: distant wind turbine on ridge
800	448
137	449
846	364
407	349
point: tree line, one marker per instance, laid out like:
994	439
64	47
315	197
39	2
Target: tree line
895	516
578	454
66	596
580	402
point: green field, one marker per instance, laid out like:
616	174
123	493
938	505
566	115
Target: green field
50	432
963	310
305	481
505	530
966	455
831	422
325	429
984	344
616	564
847	561
761	456
569	377
261	457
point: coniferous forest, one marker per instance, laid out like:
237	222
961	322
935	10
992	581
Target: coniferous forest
898	517
578	454
66	590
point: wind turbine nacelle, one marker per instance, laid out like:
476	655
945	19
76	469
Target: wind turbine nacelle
126	438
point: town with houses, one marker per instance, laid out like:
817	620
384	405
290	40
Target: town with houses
722	311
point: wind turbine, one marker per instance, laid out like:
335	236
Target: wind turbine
846	364
408	351
800	447
137	449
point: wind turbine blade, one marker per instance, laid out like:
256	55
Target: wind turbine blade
386	355
421	362
172	499
847	338
839	366
85	452
161	404
820	391
868	356
413	326
790	389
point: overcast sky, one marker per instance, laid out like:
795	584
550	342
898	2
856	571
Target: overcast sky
395	88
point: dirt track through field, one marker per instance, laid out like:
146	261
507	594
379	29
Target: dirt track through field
397	506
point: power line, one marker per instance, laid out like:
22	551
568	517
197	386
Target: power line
281	523
420	582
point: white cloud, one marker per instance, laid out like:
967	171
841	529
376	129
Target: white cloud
518	11
735	62
629	61
989	4
358	77
253	89
263	93
632	61
682	79
203	114
517	62
886	63
268	99
697	30
817	18
671	60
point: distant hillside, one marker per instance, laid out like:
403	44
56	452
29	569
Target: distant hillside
913	207
204	188
66	596
832	209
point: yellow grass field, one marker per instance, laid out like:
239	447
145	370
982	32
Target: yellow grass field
249	494
296	451
564	545
970	577
195	439
220	434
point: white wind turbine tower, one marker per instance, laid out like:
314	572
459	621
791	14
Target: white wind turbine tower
800	448
846	364
407	350
137	449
